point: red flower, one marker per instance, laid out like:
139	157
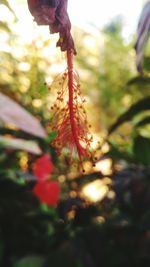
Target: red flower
54	13
48	192
69	116
42	167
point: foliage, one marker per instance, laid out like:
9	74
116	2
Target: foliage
105	71
113	231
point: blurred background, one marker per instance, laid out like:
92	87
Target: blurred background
100	217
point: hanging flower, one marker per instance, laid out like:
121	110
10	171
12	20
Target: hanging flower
42	167
48	192
54	13
142	35
69	116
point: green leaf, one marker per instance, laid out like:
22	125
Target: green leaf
146	64
51	137
117	153
141	150
4	27
30	261
140	106
6	3
143	122
139	80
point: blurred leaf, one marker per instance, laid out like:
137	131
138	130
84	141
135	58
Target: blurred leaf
6	3
140	106
143	122
141	150
11	112
117	153
114	26
21	144
4	26
30	261
147	64
51	137
139	80
1	250
66	255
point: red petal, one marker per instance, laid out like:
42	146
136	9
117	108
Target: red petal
48	192
54	13
42	167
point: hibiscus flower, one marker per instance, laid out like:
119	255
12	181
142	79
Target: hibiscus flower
54	13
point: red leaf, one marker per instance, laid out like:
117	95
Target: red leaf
48	192
13	113
142	35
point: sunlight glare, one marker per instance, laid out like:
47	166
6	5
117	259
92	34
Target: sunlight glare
83	14
104	166
95	191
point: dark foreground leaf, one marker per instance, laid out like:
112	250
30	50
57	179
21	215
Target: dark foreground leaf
140	106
